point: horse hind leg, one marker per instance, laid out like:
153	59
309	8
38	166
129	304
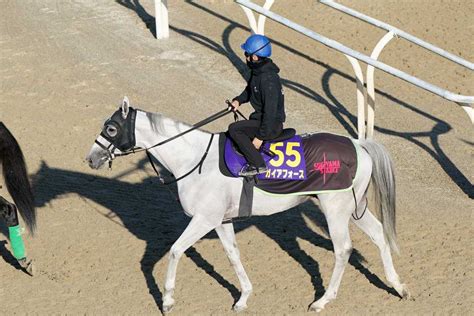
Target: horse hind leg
370	225
337	216
227	236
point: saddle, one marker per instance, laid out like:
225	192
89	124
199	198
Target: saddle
287	133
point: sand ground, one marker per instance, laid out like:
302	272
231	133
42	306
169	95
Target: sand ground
104	235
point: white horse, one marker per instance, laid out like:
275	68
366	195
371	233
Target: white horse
210	197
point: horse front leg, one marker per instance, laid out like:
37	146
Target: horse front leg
196	229
227	236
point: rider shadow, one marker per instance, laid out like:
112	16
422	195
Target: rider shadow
161	226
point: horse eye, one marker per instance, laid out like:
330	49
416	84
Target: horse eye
111	130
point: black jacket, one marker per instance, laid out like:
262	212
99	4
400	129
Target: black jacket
265	93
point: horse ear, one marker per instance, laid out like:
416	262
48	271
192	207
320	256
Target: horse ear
125	107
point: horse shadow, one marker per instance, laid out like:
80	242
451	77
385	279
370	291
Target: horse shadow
149	213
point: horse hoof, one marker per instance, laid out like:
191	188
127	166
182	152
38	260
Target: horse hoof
239	308
167	309
406	294
316	308
27	266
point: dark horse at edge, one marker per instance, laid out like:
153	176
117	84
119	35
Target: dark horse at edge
18	186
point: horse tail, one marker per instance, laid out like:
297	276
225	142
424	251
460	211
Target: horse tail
383	179
16	178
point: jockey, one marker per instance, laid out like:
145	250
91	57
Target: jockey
265	93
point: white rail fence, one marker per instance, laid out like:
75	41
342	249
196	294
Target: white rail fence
365	130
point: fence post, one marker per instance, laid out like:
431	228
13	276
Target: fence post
371	85
360	96
161	19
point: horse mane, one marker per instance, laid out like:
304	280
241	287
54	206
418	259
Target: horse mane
160	124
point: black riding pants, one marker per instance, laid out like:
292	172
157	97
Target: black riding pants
243	133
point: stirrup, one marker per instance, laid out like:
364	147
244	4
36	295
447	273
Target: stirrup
250	171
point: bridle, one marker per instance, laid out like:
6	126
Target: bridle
123	138
119	131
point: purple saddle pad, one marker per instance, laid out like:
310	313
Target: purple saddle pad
284	159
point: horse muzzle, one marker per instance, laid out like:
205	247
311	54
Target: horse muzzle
97	158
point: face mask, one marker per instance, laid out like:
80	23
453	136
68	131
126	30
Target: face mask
251	64
255	64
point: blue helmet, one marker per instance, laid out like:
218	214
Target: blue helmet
257	44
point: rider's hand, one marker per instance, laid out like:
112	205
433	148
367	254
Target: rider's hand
257	143
234	105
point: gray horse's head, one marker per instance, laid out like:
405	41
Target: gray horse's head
117	136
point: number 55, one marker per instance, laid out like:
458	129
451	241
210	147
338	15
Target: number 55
281	157
291	152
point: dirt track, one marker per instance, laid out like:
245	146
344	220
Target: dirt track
104	236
